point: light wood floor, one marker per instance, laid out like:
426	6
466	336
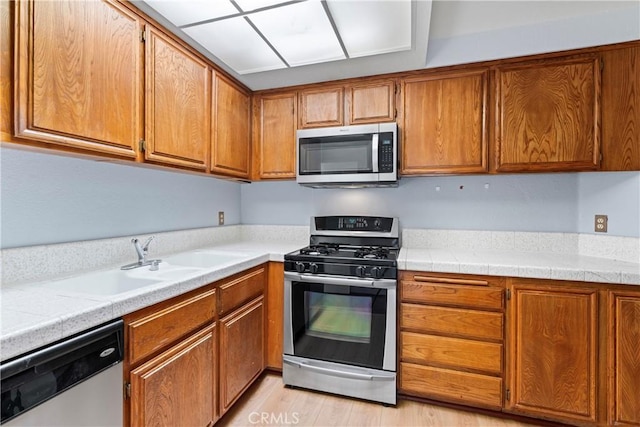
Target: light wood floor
269	403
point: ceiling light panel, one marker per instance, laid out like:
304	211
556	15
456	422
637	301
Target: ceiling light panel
182	13
249	5
300	32
372	27
236	44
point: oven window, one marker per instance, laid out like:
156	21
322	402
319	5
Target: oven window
343	324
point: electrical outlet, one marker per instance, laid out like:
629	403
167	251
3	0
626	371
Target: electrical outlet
601	223
221	218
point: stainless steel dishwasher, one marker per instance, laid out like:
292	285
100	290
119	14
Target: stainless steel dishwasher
75	382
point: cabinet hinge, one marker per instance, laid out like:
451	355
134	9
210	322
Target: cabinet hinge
508	293
142	145
142	36
127	390
508	394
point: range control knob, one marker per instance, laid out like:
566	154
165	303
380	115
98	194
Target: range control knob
300	267
377	272
377	223
313	268
360	271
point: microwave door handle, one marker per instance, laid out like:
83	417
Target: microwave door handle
374	152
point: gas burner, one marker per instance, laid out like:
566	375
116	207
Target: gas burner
372	253
319	250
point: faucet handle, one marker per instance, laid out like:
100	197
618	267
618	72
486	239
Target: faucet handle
145	247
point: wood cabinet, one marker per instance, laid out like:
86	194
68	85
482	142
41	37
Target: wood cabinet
275	124
548	115
621	109
369	101
451	338
178	109
241	351
553	350
79	75
231	129
275	314
177	387
444	123
624	357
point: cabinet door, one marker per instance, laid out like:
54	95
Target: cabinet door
178	104
178	386
624	358
276	135
275	314
621	109
321	107
444	124
548	116
241	351
553	350
372	102
231	137
79	75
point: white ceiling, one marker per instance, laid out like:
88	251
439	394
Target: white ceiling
443	32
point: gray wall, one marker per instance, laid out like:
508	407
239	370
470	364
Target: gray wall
47	198
529	202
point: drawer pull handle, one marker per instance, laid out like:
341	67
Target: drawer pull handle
471	282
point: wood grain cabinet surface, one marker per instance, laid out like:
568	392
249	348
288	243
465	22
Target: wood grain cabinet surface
231	129
321	107
548	115
452	338
444	123
79	75
371	102
275	124
624	358
178	109
553	350
177	387
241	351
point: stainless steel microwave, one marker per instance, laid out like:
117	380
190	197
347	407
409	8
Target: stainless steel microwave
348	156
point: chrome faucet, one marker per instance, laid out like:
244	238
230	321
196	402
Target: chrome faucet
141	250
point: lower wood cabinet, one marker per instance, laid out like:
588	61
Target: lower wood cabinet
241	351
451	338
553	335
624	358
275	313
177	387
185	362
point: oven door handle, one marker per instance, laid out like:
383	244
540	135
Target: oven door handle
338	373
340	281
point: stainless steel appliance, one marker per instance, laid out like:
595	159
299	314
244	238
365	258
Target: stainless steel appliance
340	308
76	382
348	156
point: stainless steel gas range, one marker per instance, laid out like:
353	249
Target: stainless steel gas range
340	308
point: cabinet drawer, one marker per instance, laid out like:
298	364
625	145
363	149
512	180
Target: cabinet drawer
452	352
462	387
240	290
483	325
471	296
153	332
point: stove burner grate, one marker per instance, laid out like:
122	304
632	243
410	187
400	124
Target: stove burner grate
319	250
372	253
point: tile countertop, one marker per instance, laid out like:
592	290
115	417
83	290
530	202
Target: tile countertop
33	315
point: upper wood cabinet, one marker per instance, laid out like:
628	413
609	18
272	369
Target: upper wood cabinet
178	109
321	107
79	75
624	358
355	103
371	102
621	109
275	121
553	350
231	129
444	123
548	115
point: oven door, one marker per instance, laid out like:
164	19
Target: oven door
343	320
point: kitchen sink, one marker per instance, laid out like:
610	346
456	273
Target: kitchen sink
203	259
109	282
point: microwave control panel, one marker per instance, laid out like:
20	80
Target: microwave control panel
385	153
